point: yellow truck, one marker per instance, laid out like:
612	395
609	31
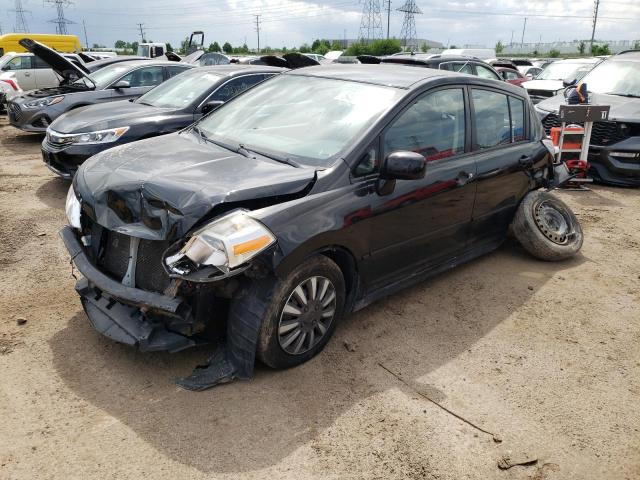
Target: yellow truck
61	43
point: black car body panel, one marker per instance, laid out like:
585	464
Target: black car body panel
143	120
384	234
620	134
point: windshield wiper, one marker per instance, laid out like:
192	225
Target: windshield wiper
239	149
272	156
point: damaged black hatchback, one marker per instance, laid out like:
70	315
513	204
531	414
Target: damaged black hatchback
301	200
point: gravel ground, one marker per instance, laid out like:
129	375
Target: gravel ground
505	356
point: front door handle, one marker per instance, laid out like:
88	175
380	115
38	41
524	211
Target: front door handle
463	178
526	161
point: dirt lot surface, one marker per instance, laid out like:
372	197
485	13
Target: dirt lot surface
545	356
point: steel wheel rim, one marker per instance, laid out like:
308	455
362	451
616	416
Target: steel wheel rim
554	222
307	315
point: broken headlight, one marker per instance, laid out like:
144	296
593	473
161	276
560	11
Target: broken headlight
225	243
44	102
72	208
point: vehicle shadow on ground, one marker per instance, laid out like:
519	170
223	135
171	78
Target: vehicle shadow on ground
53	192
254	424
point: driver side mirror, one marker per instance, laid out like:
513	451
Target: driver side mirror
567	82
210	106
121	84
403	165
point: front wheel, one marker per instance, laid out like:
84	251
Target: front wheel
546	227
301	314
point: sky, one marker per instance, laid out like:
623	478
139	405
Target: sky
293	22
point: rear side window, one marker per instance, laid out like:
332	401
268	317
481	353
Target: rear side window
40	64
499	118
433	126
460	67
235	86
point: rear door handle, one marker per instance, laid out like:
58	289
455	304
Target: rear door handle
526	161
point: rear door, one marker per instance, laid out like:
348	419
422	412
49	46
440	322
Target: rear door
425	222
505	152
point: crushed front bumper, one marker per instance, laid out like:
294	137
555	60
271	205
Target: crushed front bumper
122	313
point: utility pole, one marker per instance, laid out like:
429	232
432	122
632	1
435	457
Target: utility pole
21	23
388	17
595	19
140	25
258	30
86	39
511	41
61	22
524	27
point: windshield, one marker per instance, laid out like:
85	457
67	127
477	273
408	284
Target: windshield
300	117
562	71
618	78
181	90
103	77
143	50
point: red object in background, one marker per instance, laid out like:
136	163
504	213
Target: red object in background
511	76
567	145
578	167
10	82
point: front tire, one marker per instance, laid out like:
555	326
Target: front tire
300	315
547	228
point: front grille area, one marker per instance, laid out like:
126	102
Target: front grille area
602	134
15	112
150	275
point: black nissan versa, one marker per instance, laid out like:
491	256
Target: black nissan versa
33	111
302	199
81	133
614	153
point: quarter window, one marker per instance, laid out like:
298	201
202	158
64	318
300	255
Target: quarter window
460	67
433	126
517	119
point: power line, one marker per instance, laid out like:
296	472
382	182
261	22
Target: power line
408	32
595	20
61	22
20	25
371	23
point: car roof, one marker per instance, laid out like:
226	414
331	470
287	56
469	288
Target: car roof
152	62
234	69
388	74
579	60
628	55
433	58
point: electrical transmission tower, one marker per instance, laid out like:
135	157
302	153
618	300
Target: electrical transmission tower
408	33
21	23
371	23
61	22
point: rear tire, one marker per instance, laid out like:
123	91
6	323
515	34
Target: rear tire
547	228
298	315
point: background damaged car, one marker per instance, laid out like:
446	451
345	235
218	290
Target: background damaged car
302	199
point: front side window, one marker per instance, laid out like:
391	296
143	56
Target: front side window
433	126
144	77
304	118
18	63
180	92
491	112
484	72
235	86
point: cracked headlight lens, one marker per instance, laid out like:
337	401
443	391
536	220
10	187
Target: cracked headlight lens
72	209
44	102
224	243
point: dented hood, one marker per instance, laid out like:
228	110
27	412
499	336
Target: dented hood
161	187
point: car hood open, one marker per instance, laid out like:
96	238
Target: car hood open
63	67
623	109
106	115
160	188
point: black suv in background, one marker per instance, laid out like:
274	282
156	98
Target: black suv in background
614	152
451	63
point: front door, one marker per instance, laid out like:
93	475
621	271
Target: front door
140	81
423	223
